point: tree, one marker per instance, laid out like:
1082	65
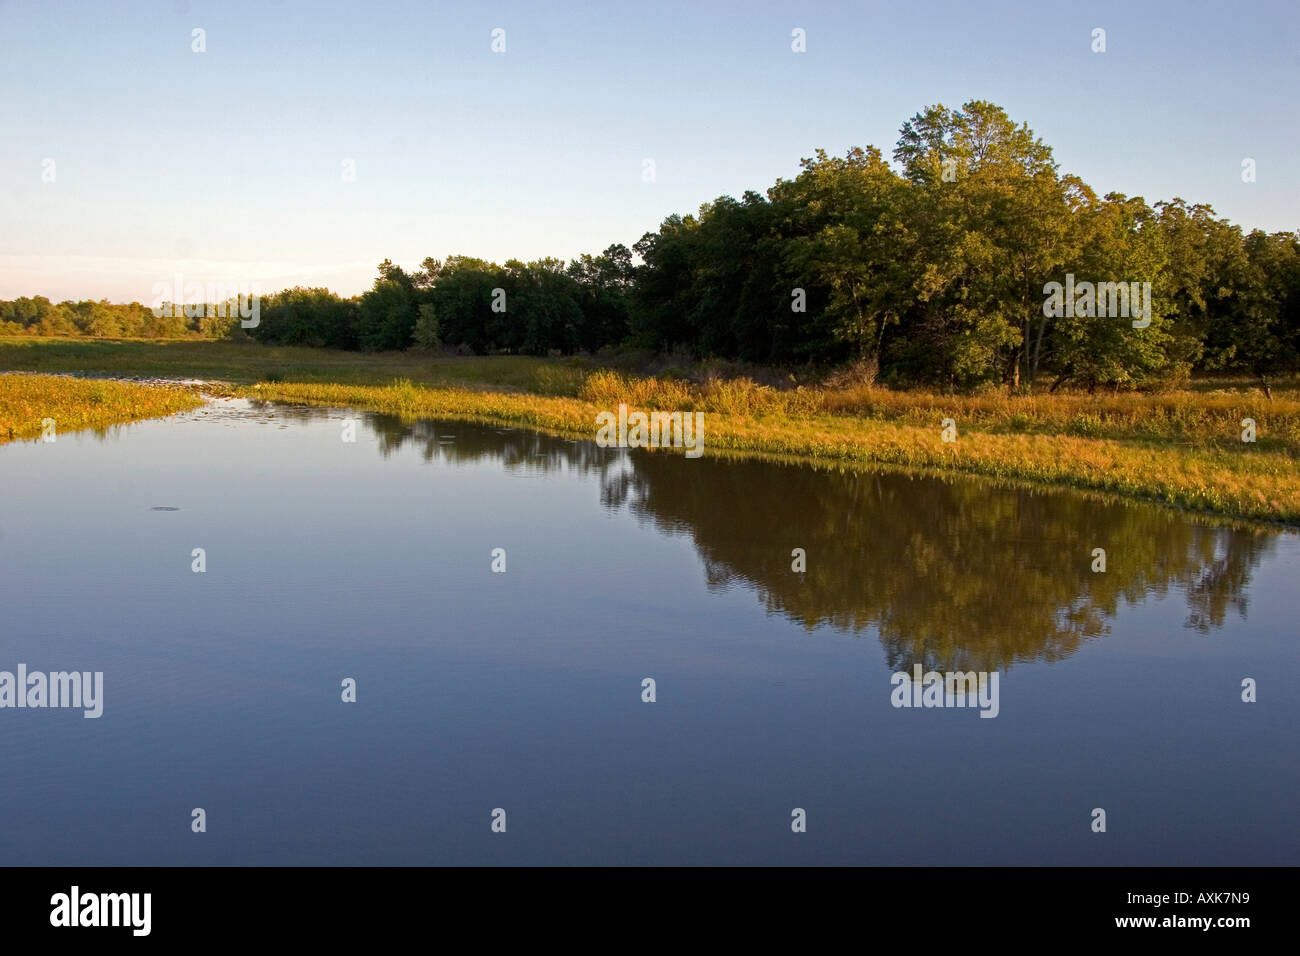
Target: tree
1118	245
855	246
386	315
426	328
993	219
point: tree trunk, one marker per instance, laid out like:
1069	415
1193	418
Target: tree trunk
1024	353
1038	350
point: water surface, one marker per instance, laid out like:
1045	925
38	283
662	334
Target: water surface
522	690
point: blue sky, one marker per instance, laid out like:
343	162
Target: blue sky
226	165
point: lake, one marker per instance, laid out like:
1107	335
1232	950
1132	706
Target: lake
524	689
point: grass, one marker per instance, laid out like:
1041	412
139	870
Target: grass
1243	482
1181	447
247	364
26	401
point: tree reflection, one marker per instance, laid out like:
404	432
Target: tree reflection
952	574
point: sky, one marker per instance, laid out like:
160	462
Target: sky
128	158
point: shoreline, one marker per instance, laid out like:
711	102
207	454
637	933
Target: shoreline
850	443
1179	449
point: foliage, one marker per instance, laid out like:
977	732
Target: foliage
932	272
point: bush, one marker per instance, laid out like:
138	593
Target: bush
863	372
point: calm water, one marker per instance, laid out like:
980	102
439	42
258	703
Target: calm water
523	690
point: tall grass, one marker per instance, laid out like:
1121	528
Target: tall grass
26	401
1194	417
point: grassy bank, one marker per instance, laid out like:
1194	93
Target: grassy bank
1181	447
76	404
1218	477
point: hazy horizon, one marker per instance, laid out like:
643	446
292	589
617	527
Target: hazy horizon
226	165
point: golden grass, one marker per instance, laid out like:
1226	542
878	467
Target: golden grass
1182	447
1208	418
76	404
1240	480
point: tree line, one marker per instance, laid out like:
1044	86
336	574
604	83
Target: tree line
930	270
37	315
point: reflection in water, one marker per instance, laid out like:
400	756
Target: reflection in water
952	574
459	442
955	575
